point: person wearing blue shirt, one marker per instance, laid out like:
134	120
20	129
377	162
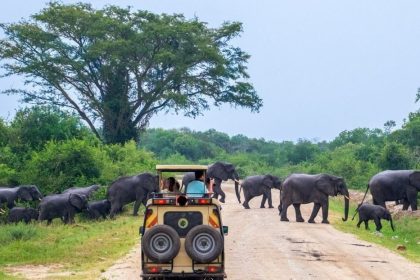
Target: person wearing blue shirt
196	188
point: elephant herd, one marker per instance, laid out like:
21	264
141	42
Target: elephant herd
74	200
397	185
401	186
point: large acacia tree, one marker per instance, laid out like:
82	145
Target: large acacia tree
117	67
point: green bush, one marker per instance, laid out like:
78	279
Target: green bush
127	159
61	165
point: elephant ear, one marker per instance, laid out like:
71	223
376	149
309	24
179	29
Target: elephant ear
268	181
78	201
24	193
414	179
218	170
36	194
326	185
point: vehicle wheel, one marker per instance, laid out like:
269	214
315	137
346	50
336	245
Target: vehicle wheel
203	244
161	243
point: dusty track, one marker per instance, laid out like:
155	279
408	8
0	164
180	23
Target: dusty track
259	246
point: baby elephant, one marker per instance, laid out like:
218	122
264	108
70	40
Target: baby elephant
373	212
18	214
96	209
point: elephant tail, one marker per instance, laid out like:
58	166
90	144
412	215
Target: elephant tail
281	204
238	191
358	206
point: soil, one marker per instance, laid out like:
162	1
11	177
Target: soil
259	246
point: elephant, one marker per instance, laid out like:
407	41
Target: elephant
18	214
9	196
303	188
219	171
132	188
222	171
395	185
97	209
373	212
63	206
87	191
259	185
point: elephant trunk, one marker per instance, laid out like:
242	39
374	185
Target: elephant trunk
238	195
281	204
392	225
346	204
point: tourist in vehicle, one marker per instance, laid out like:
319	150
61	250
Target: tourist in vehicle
170	185
197	188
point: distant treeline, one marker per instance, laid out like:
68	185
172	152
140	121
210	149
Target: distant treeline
54	150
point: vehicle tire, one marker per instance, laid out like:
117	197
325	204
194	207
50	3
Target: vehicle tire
161	243
203	244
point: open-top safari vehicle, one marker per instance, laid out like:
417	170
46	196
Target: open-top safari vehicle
182	236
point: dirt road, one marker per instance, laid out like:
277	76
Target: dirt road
259	246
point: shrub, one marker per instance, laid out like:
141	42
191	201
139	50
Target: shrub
65	164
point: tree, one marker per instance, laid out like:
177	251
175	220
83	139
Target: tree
395	156
34	127
119	67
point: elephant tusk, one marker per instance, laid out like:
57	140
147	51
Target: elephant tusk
347	197
2	211
237	181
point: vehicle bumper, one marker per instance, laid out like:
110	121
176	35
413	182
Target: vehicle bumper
173	275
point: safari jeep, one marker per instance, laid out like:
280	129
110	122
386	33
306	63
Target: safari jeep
182	237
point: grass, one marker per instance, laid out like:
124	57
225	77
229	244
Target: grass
85	248
407	230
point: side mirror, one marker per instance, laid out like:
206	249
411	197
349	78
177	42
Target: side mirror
141	230
225	230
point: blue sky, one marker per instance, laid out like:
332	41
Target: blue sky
321	67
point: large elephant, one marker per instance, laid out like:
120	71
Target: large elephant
222	171
219	171
9	196
87	191
133	188
300	189
394	185
259	185
63	206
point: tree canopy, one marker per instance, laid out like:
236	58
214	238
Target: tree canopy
117	68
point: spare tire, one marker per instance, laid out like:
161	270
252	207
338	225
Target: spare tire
203	244
161	243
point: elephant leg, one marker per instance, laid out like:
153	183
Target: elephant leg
263	200
377	223
115	207
406	204
217	189
315	211
299	218
379	202
325	212
270	201
49	221
412	199
245	204
366	224
283	214
136	207
358	224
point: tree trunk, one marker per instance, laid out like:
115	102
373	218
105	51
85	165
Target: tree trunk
118	126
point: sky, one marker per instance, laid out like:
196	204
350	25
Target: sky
320	66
